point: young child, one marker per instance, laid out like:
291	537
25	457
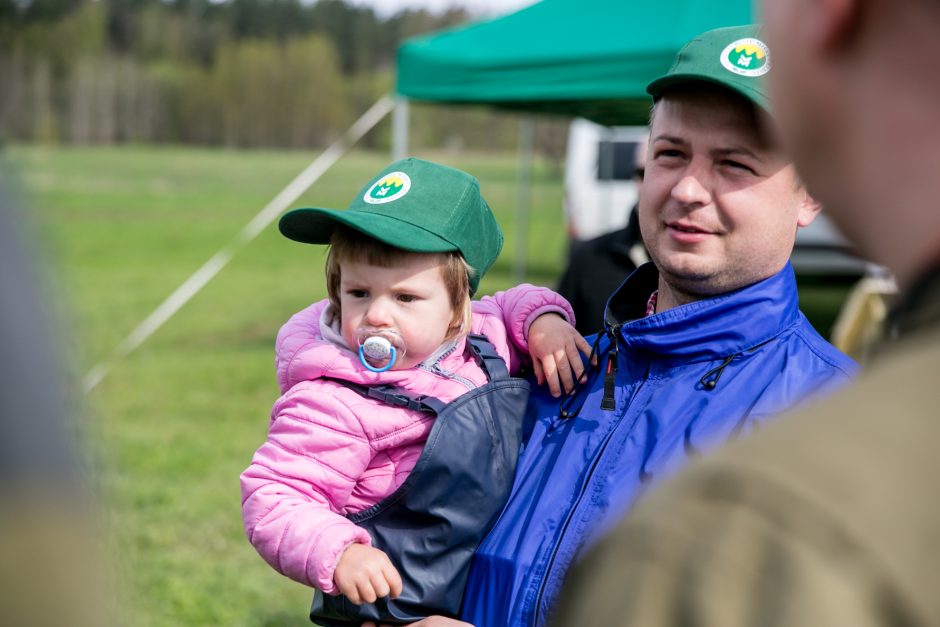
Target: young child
404	260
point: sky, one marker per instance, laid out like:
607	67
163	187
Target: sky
483	8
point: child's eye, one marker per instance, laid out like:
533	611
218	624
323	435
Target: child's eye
357	293
407	298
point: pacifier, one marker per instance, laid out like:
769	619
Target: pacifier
379	348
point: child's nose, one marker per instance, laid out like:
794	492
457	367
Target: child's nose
378	313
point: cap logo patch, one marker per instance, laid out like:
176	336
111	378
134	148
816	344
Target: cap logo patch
747	57
390	187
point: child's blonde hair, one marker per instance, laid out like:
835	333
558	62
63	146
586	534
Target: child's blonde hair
351	245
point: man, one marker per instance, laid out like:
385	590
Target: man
598	266
830	517
701	345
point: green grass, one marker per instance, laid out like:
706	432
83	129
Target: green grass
174	424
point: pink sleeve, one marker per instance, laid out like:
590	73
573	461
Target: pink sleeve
515	310
295	490
300	332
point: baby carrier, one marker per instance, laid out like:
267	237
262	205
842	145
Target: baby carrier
431	525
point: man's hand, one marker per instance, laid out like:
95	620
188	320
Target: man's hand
554	345
365	574
430	621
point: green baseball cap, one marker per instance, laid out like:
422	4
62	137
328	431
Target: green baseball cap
735	57
414	205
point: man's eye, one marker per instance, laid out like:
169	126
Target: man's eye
668	153
737	165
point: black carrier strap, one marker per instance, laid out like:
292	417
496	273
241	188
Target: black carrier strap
486	356
394	395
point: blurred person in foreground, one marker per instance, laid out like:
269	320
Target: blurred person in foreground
50	573
702	345
598	266
829	517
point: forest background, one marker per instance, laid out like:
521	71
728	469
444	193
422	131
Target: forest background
236	73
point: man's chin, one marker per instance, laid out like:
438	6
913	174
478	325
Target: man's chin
699	280
686	269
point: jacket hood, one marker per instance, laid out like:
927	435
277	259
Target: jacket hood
707	329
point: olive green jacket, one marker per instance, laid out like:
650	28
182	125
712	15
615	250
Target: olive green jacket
826	518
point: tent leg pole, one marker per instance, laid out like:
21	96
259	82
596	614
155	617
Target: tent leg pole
400	122
524	193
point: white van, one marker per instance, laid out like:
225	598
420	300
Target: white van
600	189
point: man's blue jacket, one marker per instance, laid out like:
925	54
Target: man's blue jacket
676	383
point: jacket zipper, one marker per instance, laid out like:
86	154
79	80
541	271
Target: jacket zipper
577	503
436	369
439	371
608	397
564	530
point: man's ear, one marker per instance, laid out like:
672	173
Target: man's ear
834	22
809	209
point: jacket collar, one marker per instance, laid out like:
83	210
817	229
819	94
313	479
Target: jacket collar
333	357
707	329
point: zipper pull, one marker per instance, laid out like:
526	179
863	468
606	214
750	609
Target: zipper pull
610	372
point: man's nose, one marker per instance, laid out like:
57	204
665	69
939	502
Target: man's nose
692	189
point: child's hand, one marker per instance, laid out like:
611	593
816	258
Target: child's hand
365	574
554	346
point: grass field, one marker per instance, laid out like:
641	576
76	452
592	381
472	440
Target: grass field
173	425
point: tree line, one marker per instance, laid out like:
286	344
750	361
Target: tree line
238	73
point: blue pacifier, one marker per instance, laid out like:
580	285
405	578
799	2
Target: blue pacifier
378	350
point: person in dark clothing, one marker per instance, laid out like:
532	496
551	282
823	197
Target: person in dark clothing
597	267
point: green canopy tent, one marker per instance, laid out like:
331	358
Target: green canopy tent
587	58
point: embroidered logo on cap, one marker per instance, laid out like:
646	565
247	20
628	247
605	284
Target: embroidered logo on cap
747	57
390	187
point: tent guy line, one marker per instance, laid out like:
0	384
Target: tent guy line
191	286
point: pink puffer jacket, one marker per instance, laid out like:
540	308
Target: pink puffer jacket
330	451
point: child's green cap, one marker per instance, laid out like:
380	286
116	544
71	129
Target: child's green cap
735	57
414	205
